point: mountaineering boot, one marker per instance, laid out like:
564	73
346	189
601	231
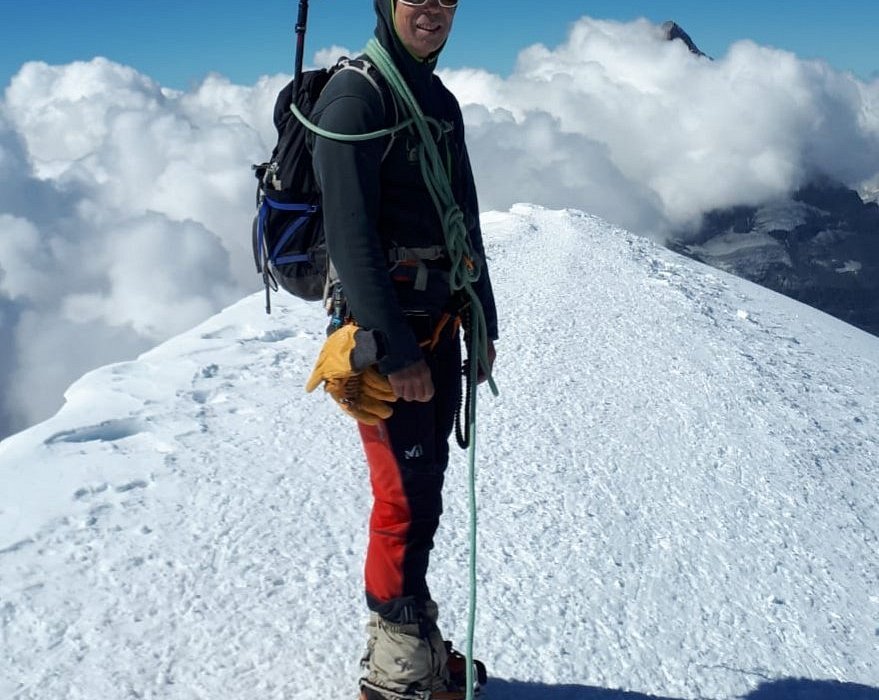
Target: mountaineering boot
456	663
370	694
394	654
404	660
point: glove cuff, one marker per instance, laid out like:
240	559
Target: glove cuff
367	350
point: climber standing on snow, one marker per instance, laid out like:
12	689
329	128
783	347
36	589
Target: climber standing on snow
389	248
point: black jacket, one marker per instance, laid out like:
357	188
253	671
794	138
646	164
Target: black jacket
375	199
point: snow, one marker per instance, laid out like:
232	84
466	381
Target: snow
869	192
677	498
733	245
849	266
782	215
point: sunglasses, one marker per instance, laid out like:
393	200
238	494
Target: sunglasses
420	3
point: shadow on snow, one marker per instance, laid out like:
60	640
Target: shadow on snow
784	689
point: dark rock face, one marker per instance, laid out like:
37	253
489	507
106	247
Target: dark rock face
820	246
674	31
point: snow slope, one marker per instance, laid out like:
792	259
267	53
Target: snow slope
677	487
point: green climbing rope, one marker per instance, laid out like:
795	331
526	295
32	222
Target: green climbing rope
368	136
465	266
465	270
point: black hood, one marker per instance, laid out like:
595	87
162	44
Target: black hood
418	73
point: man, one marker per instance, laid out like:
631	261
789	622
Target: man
386	242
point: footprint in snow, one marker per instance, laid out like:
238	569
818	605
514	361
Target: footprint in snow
108	431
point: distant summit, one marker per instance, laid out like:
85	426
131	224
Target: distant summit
819	244
674	31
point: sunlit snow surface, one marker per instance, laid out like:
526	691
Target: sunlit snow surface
677	496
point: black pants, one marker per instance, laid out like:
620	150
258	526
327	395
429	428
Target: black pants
407	456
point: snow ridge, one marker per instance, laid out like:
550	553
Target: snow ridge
677	498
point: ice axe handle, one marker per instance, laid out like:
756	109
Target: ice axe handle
301	24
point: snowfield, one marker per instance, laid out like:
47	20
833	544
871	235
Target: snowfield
677	496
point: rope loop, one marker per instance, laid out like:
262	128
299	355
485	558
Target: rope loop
465	268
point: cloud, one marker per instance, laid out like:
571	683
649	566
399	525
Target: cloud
50	350
572	170
149	265
328	57
667	135
125	214
125	207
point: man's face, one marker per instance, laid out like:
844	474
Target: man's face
423	29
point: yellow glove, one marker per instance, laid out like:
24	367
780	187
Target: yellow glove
360	393
363	396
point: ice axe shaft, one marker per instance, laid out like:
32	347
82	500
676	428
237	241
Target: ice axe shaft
301	23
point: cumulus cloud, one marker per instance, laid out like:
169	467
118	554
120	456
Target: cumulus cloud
659	135
125	207
328	57
125	215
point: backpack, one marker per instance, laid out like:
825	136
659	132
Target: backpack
289	247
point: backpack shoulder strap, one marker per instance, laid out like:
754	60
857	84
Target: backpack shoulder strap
351	64
367	70
374	77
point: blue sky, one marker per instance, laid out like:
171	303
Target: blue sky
177	42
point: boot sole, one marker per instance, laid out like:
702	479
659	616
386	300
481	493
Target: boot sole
441	695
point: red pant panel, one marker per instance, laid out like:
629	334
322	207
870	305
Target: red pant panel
407	455
390	519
